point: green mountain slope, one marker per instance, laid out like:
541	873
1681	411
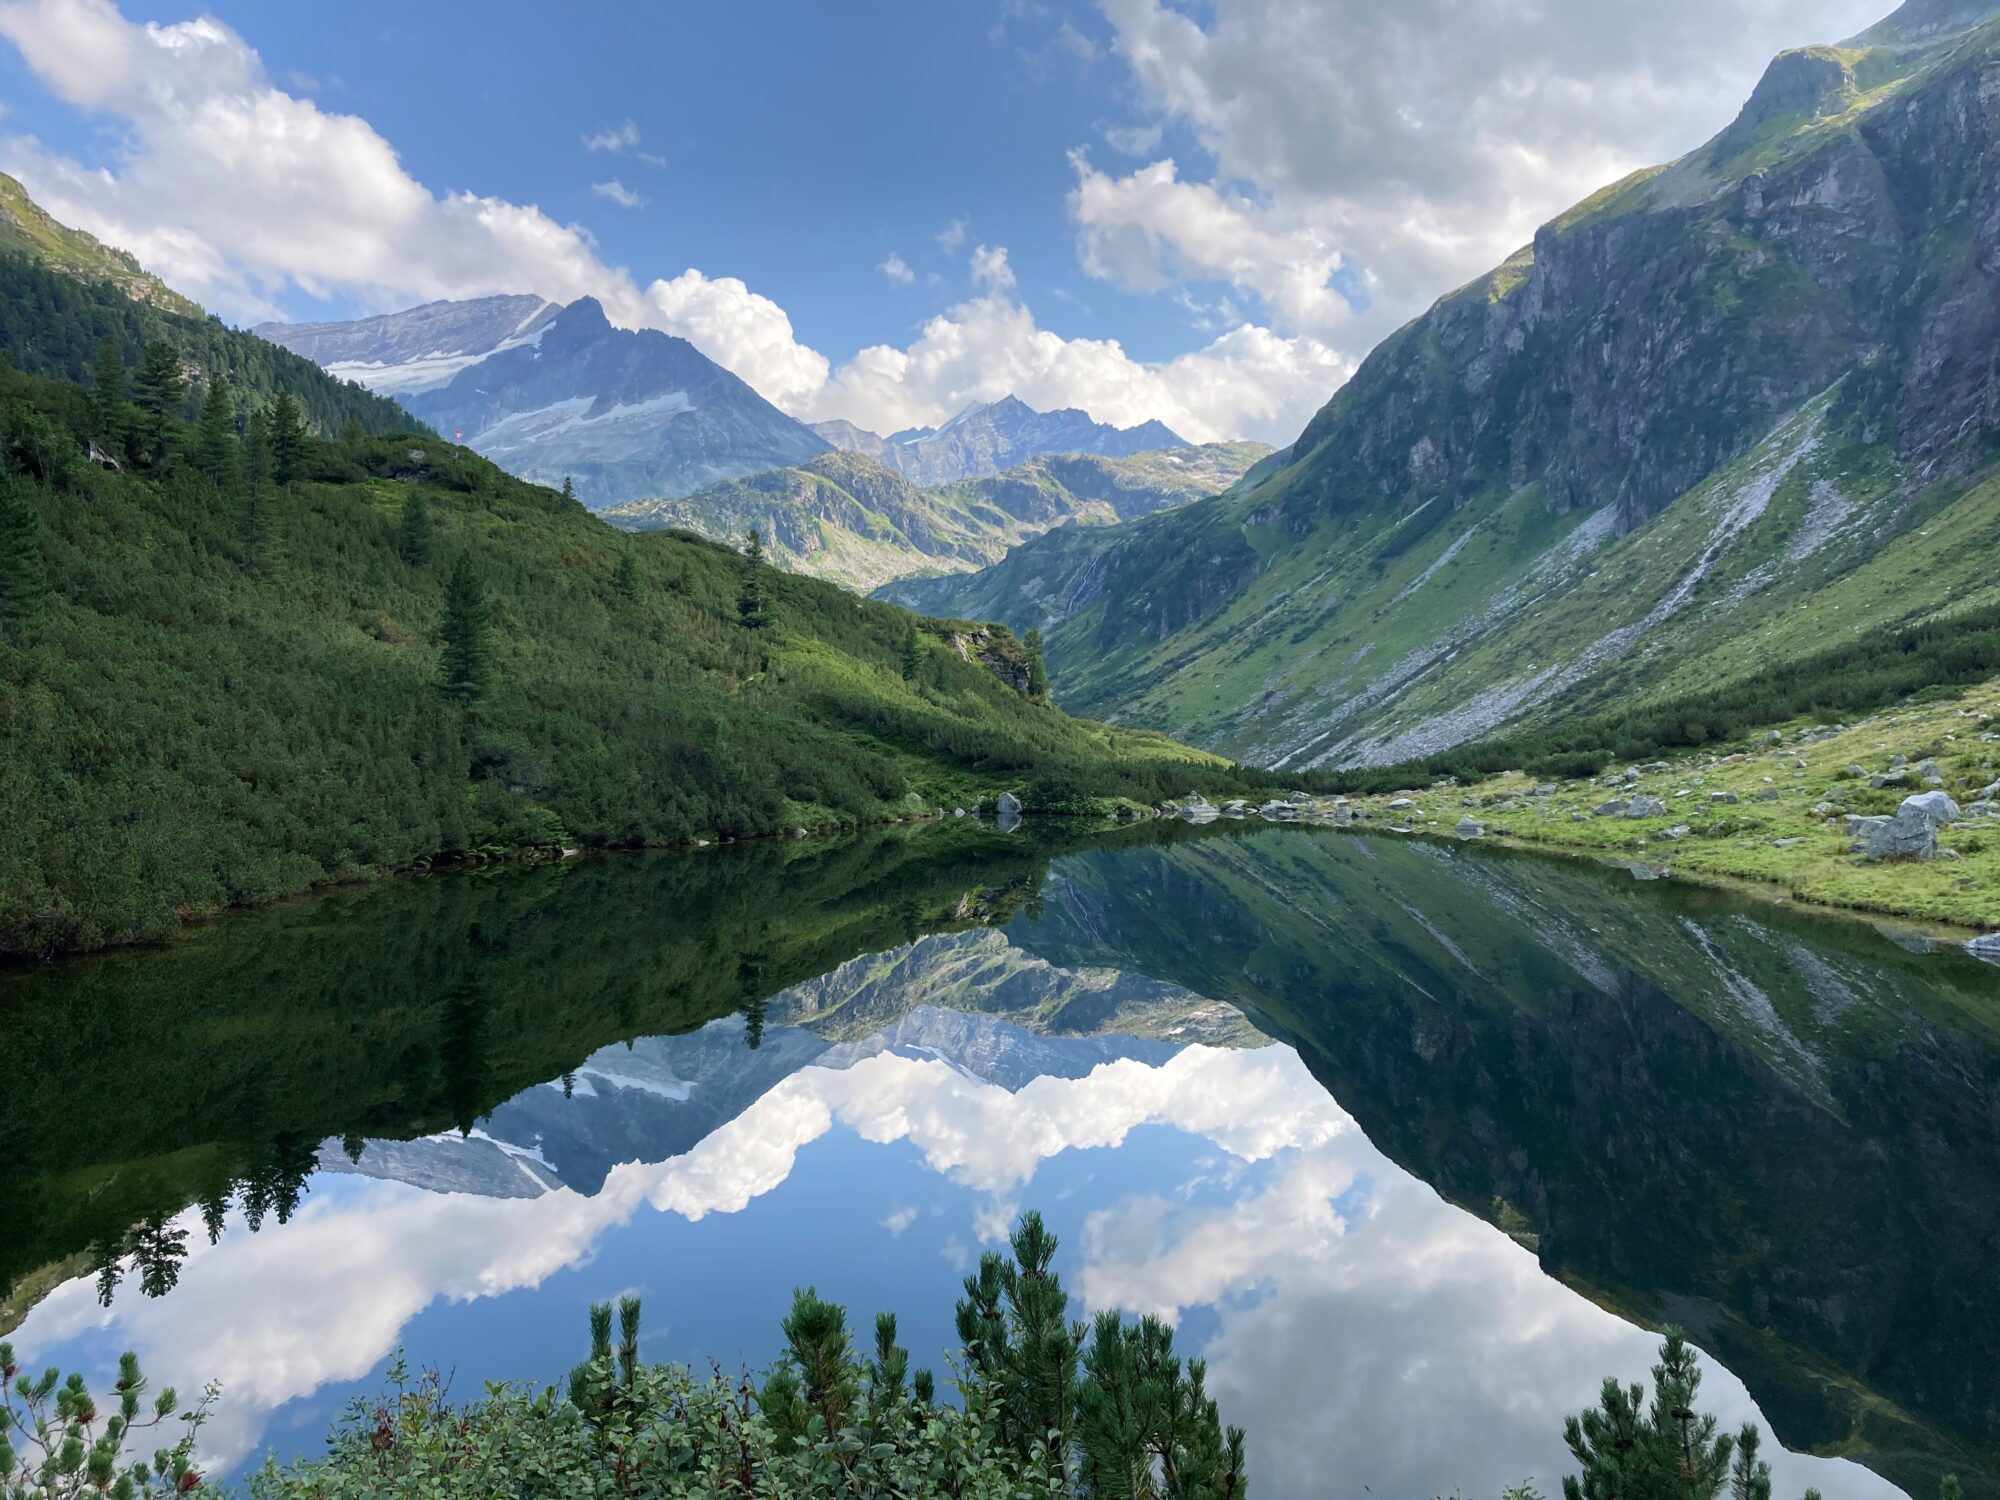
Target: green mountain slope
26	229
230	689
845	517
62	295
1735	409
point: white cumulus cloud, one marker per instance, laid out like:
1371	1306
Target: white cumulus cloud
243	195
1424	141
897	269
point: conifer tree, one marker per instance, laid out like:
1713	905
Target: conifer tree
107	398
626	578
466	668
352	433
1666	1451
912	653
256	489
1020	1344
288	438
569	488
161	391
413	530
1038	675
216	449
750	603
23	583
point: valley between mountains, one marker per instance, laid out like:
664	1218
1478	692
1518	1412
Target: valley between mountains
1715	452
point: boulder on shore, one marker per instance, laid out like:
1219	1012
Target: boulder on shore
1646	807
1910	834
1471	828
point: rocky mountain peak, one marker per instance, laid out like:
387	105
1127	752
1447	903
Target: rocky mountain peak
1814	81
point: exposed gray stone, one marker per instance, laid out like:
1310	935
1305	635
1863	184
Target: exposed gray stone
1646	807
1617	807
1471	828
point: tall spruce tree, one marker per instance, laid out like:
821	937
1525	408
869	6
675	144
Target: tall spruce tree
216	450
288	438
913	658
161	392
1668	1450
750	602
257	480
23	583
108	418
466	669
569	488
1038	674
413	530
626	578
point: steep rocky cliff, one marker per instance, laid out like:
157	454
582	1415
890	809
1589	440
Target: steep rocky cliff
1722	409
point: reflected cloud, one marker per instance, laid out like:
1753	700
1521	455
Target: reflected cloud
1363	1328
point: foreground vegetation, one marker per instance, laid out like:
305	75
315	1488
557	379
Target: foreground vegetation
255	658
1047	1408
1772	809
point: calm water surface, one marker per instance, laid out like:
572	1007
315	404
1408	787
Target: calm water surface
1414	1143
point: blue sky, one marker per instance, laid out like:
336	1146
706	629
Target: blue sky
1205	211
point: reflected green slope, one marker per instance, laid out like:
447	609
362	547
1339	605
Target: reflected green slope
141	1082
1783	1134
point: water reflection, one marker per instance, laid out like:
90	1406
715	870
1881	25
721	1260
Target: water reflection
1632	1101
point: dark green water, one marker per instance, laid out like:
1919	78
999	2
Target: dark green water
1416	1142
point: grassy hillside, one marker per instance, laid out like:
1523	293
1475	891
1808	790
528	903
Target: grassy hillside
847	518
230	688
1723	414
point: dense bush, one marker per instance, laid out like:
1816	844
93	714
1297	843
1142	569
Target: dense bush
1047	1408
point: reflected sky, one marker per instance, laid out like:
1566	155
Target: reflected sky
1364	1331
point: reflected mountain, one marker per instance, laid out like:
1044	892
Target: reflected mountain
1781	1132
656	1098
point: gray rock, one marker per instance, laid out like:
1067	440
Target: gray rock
1547	790
1724	797
1932	807
1008	805
1397	804
1678	831
1471	828
1786	843
1646	807
1617	807
1910	834
1987	947
1769	794
1279	812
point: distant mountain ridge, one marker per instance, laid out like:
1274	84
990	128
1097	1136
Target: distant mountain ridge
636	414
423	347
552	393
989	437
846	518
